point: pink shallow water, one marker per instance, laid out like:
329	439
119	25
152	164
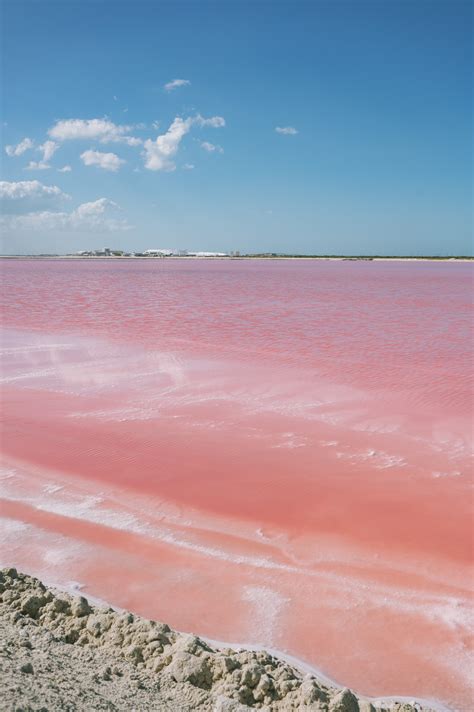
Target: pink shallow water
275	453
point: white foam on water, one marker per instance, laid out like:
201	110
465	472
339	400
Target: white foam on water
52	488
267	607
384	461
291	441
454	473
12	526
7	474
377	427
118	415
62	551
29	375
379	459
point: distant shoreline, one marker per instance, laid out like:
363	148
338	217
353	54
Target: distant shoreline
316	258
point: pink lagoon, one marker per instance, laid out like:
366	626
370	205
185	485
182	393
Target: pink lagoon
265	452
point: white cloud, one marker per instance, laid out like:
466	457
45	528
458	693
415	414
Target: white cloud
49	148
20	148
211	148
92	210
216	122
91	216
65	169
159	153
175	83
188	166
286	130
37	166
27	189
107	161
27	205
156	125
101	130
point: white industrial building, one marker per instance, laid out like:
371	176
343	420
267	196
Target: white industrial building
207	254
159	253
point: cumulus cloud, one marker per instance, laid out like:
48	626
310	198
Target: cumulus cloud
31	205
107	161
102	130
211	148
91	217
286	130
65	169
20	148
28	195
175	83
49	148
159	154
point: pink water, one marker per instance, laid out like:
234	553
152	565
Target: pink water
266	452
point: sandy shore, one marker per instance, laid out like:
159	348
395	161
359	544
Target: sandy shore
59	652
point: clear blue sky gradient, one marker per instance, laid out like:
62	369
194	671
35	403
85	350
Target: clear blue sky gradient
379	92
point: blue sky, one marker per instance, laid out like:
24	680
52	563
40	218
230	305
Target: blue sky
378	94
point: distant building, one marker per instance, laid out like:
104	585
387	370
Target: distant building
159	253
105	252
208	254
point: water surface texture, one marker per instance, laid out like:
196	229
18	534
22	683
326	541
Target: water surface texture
265	452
